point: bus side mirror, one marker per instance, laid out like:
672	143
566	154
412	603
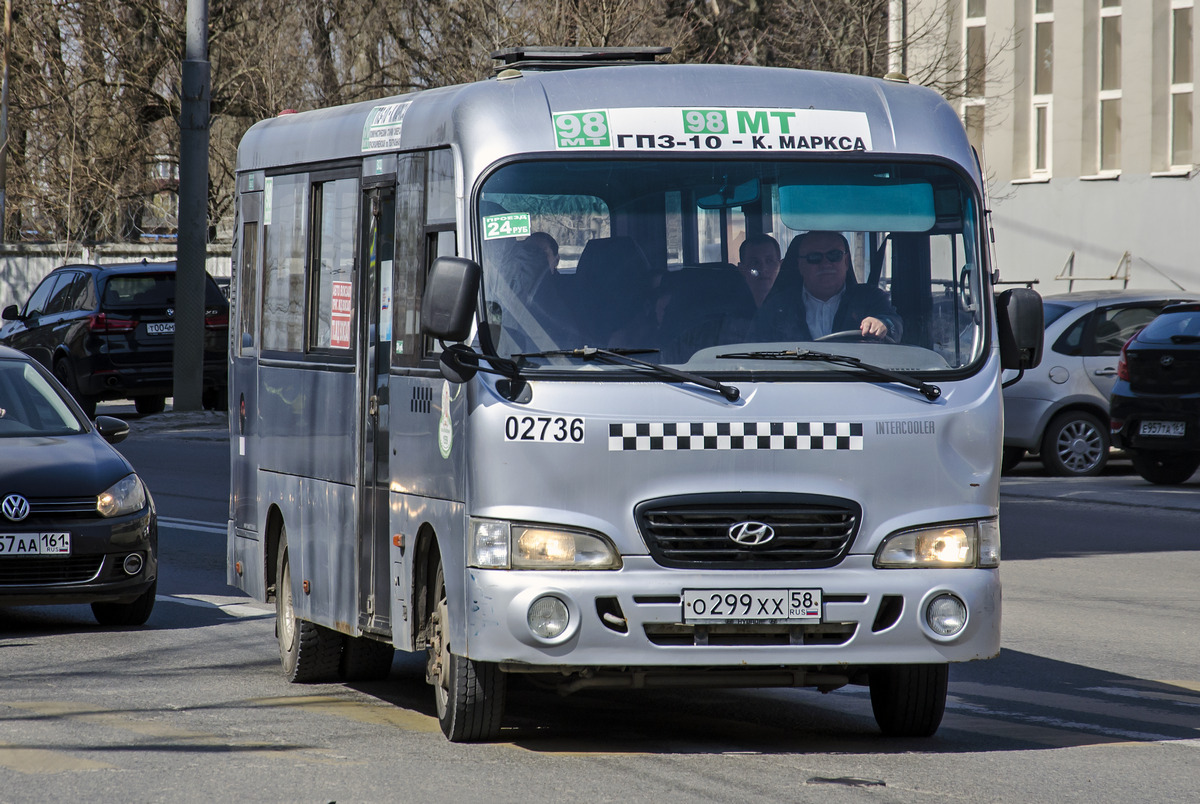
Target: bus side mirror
1019	316
451	292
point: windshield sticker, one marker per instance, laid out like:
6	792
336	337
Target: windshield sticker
544	429
670	436
706	130
514	224
381	132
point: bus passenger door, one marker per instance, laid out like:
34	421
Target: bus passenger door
247	570
378	222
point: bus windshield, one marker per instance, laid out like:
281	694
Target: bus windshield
691	263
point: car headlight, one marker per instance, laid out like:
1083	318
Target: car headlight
126	496
509	545
959	544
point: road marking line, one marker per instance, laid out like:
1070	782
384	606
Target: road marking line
233	606
192	524
1072	725
359	711
1147	695
41	760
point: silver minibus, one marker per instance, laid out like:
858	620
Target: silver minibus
622	374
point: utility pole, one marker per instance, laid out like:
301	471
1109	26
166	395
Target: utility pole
192	243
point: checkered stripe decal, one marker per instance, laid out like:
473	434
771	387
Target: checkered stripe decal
655	436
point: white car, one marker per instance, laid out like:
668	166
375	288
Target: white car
1060	409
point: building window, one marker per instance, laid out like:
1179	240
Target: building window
1110	86
975	64
1181	83
1043	84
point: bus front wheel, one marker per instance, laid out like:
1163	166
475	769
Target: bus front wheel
469	695
309	652
909	699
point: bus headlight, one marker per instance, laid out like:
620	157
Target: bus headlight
959	544
509	545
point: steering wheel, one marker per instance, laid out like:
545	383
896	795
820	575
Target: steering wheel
855	336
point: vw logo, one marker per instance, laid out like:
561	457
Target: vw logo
751	534
15	507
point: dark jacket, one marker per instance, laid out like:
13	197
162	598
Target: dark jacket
782	315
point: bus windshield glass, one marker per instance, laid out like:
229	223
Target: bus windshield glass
714	265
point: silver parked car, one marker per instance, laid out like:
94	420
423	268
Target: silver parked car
1060	409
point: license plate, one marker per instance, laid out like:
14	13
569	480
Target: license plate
1156	428
35	544
752	605
165	328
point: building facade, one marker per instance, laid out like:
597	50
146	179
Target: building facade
1085	117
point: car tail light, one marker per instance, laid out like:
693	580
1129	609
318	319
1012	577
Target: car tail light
216	321
102	322
1123	363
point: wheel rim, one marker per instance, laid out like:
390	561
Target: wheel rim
437	670
286	614
1079	446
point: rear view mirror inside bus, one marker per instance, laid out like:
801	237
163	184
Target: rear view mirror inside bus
451	290
727	197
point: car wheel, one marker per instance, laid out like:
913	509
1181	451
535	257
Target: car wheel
147	405
469	695
1164	468
64	374
1075	445
908	700
309	652
133	613
1012	457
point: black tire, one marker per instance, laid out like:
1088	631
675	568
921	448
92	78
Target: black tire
1012	457
469	695
147	405
309	653
909	699
66	375
366	659
1075	445
135	612
1164	468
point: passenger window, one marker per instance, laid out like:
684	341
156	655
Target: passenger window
1070	343
63	298
248	289
1117	325
284	208
38	303
409	265
335	220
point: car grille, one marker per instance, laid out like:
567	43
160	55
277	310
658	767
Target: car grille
694	531
41	570
50	509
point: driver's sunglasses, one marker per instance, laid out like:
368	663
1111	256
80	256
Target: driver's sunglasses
815	257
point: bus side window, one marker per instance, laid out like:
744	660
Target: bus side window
247	290
286	202
408	268
335	219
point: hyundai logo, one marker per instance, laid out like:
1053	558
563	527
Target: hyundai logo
15	507
751	534
1166	361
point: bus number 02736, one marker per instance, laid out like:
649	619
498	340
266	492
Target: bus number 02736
544	429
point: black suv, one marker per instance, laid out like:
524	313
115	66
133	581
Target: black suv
108	332
1156	402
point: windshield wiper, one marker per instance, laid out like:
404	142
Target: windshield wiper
621	357
930	392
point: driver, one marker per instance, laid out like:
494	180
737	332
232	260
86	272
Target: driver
817	294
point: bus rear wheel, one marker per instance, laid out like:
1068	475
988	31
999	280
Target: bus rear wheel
309	652
469	695
909	699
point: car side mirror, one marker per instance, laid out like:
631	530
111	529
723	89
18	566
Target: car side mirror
112	429
11	313
451	293
1019	316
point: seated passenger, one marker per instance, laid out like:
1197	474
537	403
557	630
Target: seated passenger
817	294
758	263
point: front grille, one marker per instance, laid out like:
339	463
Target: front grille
693	531
49	509
679	635
41	570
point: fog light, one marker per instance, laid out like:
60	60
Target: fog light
548	617
946	615
132	564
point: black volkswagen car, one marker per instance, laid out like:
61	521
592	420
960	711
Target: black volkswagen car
1156	401
77	525
108	332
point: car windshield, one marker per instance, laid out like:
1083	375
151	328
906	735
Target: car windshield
30	405
730	266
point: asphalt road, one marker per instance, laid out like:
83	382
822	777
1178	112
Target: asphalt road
1095	696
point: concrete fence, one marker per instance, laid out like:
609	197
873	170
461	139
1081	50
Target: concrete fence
23	265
